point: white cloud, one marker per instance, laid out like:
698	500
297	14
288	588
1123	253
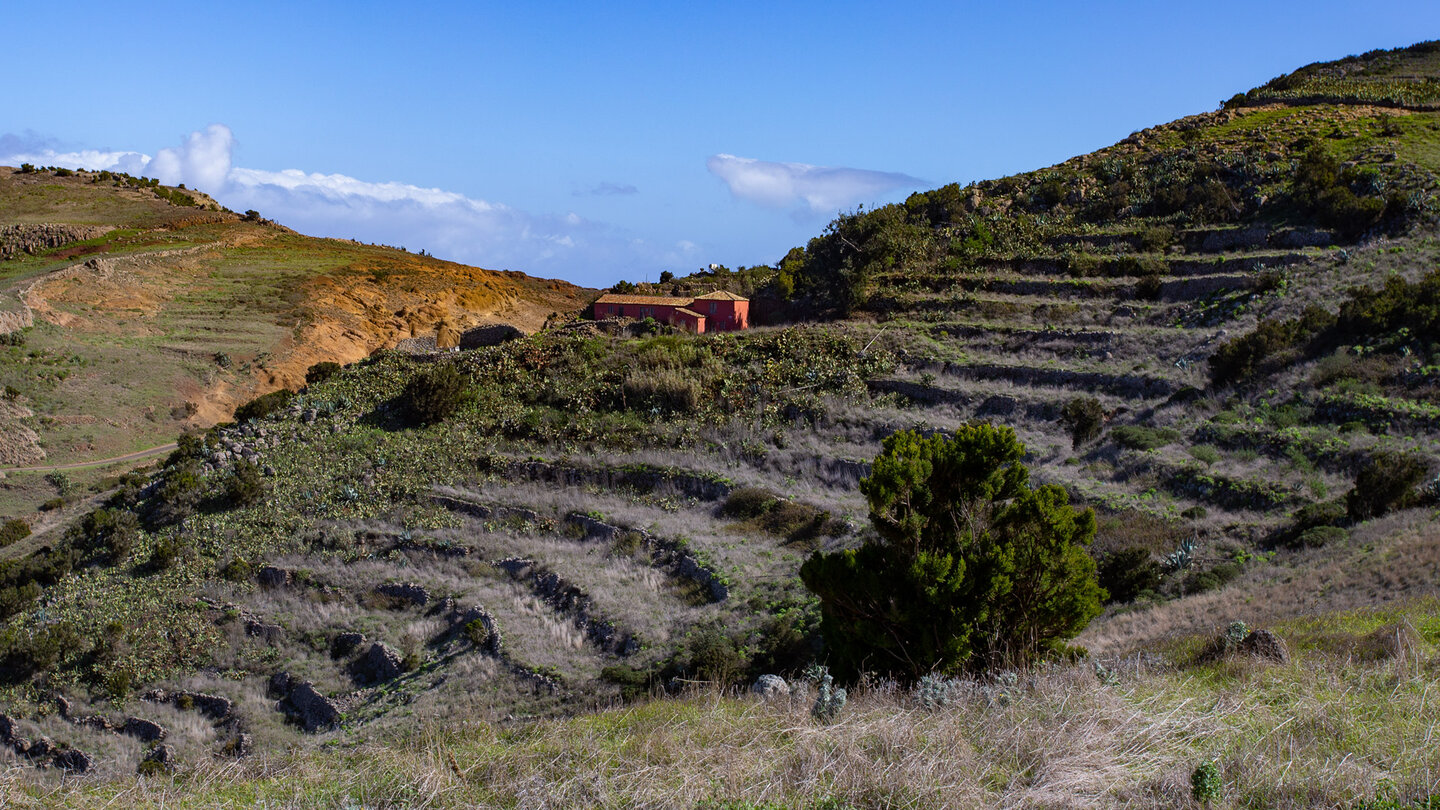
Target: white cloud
444	223
202	161
821	189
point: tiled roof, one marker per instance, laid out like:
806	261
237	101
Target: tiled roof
720	295
645	300
692	313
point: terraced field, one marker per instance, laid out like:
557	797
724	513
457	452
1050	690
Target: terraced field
1219	334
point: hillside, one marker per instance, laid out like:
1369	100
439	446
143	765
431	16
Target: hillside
147	310
1222	334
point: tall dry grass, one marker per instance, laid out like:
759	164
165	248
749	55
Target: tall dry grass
1320	732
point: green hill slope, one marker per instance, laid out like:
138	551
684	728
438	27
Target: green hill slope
1221	333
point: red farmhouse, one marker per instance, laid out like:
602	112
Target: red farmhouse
717	311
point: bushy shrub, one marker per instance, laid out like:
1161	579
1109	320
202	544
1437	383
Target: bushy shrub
321	371
1085	418
715	656
1325	513
1137	437
243	485
111	532
1317	536
262	406
972	569
1206	454
12	531
747	502
436	393
667	391
1386	482
1128	573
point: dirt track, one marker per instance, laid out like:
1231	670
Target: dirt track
135	456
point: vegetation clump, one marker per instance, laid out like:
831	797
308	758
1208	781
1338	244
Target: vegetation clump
436	393
973	568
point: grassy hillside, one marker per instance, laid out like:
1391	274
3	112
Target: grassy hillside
1221	334
140	314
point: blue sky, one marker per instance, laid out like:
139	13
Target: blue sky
601	141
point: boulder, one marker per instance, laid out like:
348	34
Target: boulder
161	757
312	710
379	663
273	577
272	634
346	643
770	686
1265	645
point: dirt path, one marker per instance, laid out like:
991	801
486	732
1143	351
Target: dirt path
135	456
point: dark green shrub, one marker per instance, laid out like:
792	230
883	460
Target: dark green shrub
1149	287
243	485
1385	483
262	406
973	568
165	554
1212	578
747	502
52	504
321	371
1320	536
633	682
1128	573
1156	238
111	532
180	491
1085	418
1137	437
1195	513
12	531
436	393
1325	513
238	569
715	656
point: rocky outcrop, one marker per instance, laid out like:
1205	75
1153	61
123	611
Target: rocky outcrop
462	619
273	577
304	704
378	664
1265	645
769	687
43	751
345	644
32	239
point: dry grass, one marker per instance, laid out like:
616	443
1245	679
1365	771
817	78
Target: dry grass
1320	732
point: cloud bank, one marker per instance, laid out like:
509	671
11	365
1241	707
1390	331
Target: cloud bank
444	223
820	189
